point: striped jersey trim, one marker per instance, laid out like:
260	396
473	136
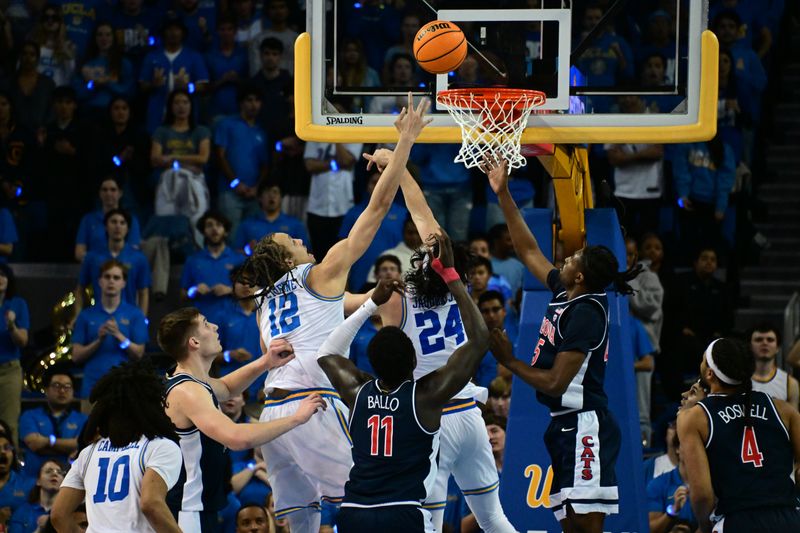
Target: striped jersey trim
342	422
290	510
332	499
315	294
389	504
404	312
141	455
458	406
299	395
435	505
482	490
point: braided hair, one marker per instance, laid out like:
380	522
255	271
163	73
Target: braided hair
600	269
266	265
733	358
130	402
425	285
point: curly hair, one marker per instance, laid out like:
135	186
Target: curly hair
130	402
600	269
425	285
266	265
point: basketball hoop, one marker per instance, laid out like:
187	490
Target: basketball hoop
492	121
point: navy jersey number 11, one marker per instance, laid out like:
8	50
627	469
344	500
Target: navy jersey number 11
430	339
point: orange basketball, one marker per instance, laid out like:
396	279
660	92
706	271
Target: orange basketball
440	47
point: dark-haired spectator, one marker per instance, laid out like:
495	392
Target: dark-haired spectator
14	325
92	235
106	72
638	176
355	72
499	401
654	75
386	266
765	340
478	274
30	91
479	247
200	22
80	17
206	274
238	332
404	249
647	303
136	286
253	518
248	24
57	53
110	332
277	27
14	484
659	38
51	431
399	74
389	233
269	220
332	173
704	174
33	515
754	25
227	65
168	68
492	307
409	26
136	25
69	189
504	263
241	149
276	87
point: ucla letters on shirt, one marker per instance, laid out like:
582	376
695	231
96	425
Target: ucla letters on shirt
112	480
40	420
579	324
135	262
131	323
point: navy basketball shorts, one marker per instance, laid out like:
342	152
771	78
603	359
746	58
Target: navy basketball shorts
384	519
762	519
583	448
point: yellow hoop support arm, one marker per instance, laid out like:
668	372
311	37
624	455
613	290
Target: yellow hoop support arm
702	130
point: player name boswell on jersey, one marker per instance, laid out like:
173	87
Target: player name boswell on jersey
732	412
383	402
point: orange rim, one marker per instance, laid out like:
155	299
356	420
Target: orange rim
474	98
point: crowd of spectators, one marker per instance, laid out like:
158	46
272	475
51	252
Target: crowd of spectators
179	116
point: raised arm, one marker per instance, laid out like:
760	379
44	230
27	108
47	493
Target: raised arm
437	388
525	244
193	401
330	276
345	377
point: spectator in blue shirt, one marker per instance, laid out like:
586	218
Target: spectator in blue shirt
106	72
241	149
14	324
92	231
172	67
504	263
389	233
14	485
136	26
51	432
110	332
8	234
481	279
137	286
269	220
200	22
206	274
492	307
668	499
227	64
80	17
32	516
239	333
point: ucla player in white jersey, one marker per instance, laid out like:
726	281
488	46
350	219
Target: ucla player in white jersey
302	303
430	317
125	475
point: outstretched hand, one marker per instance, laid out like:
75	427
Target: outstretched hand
412	121
380	158
308	406
384	290
497	172
278	353
443	248
501	347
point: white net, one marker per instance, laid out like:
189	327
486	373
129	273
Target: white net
492	122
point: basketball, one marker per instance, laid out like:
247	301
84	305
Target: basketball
440	47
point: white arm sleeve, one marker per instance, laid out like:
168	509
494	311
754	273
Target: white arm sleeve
338	342
164	456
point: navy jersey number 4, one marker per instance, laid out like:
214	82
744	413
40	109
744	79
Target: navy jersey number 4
283	316
431	338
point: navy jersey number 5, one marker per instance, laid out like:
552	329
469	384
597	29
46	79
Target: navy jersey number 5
430	338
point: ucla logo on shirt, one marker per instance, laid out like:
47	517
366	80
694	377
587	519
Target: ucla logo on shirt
228	266
72	426
125	321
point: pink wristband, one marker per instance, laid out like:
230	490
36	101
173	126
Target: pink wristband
448	274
